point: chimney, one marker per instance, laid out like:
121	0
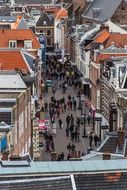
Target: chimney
121	137
106	156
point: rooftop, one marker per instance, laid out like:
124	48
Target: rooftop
63	167
11	81
101	10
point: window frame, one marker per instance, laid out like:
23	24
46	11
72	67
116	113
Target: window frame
27	41
13	42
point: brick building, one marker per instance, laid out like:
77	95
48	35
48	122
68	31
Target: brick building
15	109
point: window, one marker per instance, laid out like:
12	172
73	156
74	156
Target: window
13	44
27	44
41	31
48	42
48	32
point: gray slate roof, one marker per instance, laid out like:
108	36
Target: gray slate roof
45	20
33	2
52	183
101	10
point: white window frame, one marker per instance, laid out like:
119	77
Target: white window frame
11	43
28	44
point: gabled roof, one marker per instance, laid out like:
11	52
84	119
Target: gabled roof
61	13
17	34
101	10
119	40
19	24
13	59
45	20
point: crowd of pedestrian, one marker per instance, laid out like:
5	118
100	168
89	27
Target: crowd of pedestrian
65	75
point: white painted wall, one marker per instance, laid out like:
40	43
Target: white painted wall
82	64
115	28
57	32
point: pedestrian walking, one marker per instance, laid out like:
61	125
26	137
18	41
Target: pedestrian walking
74	105
60	123
67	131
71	127
96	139
88	119
65	107
62	156
69	97
78	122
90	140
72	119
68	119
70	104
73	149
69	147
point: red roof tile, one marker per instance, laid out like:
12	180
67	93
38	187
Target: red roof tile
119	40
10	60
102	36
18	34
102	57
61	13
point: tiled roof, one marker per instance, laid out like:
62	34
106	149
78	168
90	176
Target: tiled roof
10	60
119	40
103	181
102	57
52	183
33	2
18	34
92	181
101	10
61	13
102	36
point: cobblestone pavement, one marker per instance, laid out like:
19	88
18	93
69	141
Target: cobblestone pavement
60	139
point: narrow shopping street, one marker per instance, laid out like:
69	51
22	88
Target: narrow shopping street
60	139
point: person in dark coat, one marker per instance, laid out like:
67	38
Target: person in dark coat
90	140
96	139
69	147
60	123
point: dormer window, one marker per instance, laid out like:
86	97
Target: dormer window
13	44
28	44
